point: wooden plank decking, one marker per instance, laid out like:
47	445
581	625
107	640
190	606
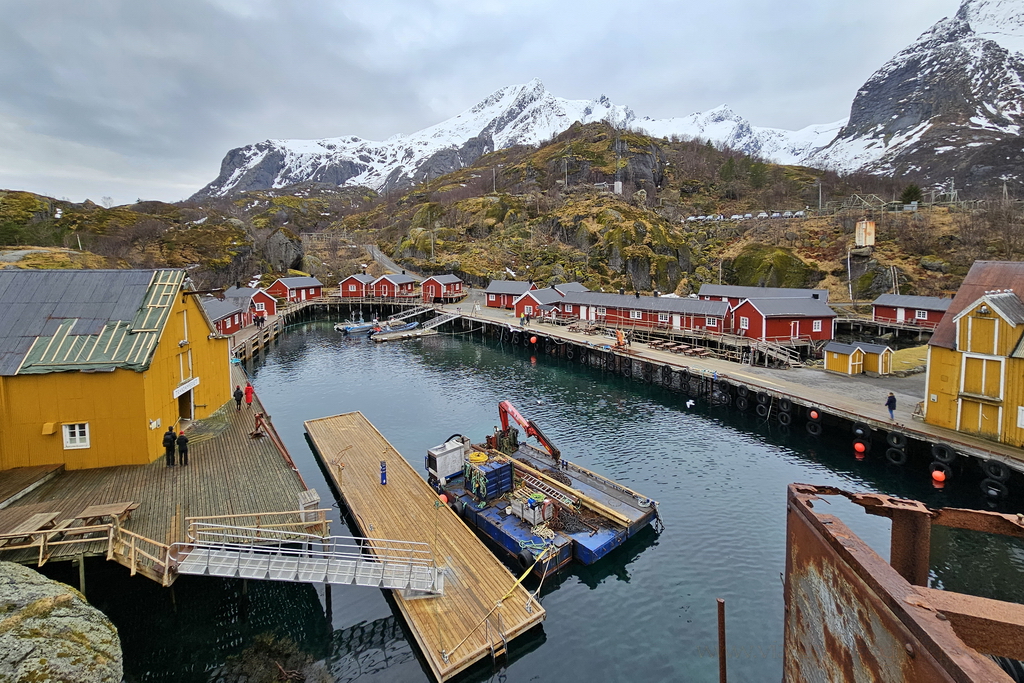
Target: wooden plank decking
407	509
229	472
15	481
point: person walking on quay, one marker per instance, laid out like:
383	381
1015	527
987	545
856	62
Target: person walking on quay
248	395
239	395
522	320
890	403
182	449
169	446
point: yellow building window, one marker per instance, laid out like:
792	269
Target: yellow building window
76	435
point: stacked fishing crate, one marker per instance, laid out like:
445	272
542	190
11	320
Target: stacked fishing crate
489	480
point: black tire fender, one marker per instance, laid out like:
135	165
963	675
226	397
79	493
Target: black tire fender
814	428
784	418
899	440
742	403
763	398
742	390
861	430
785	405
525	558
994	488
896	456
944	453
762	410
996	470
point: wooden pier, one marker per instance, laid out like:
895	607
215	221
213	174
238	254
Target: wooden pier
483	606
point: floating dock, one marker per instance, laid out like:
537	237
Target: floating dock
483	606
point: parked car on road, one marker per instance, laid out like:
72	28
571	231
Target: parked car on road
762	215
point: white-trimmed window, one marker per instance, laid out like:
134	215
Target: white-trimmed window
528	310
568	308
76	435
816	326
601	310
744	323
490	297
635	315
920	315
663	317
351	288
261	306
710	322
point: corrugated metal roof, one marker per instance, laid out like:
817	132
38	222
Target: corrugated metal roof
567	287
218	310
447	279
507	287
396	278
296	282
873	348
925	303
983	276
360	277
543	296
839	347
740	292
60	320
683	306
779	308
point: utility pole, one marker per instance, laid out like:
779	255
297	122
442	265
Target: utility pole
819	195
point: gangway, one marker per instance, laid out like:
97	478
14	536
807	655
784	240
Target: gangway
440	320
411	313
275	555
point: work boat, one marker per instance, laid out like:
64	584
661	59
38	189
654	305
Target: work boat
542	509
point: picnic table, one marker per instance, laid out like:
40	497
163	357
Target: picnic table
40	521
117	512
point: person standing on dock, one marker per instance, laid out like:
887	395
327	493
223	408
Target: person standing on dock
890	403
182	449
238	396
169	446
248	395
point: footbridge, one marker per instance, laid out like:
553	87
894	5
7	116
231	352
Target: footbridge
274	555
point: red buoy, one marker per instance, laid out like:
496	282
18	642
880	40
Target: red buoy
938	475
533	340
814	415
444	498
859	446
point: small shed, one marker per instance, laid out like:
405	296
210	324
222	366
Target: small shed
845	359
877	359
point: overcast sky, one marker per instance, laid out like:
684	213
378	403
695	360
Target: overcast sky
142	98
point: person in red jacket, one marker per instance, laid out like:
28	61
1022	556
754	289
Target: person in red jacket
248	395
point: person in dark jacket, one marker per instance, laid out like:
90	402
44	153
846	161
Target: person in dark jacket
239	394
182	449
890	403
169	446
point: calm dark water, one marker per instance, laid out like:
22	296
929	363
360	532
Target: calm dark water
647	612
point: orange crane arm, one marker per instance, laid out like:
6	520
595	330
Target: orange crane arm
507	410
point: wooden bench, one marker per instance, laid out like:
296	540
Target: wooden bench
37	522
117	512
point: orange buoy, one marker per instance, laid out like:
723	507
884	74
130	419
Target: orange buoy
814	415
938	475
444	498
533	340
859	446
533	360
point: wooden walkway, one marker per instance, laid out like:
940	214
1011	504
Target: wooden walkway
14	482
463	625
228	473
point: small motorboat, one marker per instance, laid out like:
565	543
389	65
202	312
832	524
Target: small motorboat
385	328
351	326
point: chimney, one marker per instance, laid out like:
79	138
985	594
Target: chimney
238	285
403	272
622	291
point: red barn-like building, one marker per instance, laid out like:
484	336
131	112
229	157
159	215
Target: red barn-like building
394	286
735	294
921	311
227	315
652	312
296	288
503	293
442	289
358	285
254	301
530	302
783	319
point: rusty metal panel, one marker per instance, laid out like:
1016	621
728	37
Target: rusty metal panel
851	618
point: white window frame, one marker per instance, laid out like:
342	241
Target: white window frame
816	326
663	317
76	435
601	310
351	288
636	315
260	306
490	297
528	310
920	314
710	322
568	308
744	323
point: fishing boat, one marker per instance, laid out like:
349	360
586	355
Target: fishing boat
394	327
539	508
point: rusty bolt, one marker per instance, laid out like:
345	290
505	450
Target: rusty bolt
909	648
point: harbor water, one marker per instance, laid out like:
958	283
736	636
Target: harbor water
647	612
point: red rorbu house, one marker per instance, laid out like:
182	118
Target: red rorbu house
533	302
653	312
392	286
296	288
921	311
358	285
784	319
441	289
227	315
254	301
503	293
736	294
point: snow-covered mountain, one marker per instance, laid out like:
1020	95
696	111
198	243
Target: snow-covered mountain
515	115
949	105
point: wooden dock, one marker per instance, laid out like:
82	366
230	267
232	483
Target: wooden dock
483	606
229	473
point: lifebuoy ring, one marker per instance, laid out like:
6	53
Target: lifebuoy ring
899	440
785	405
944	468
525	558
763	398
784	418
762	410
896	456
860	429
684	375
996	470
569	354
994	488
741	403
741	390
944	453
814	428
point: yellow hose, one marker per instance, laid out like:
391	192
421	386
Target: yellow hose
477	457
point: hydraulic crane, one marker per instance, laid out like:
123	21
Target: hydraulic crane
507	410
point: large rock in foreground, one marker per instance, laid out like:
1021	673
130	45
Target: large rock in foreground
48	632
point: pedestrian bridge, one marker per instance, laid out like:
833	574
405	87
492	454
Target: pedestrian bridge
275	555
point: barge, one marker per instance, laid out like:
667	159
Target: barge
541	509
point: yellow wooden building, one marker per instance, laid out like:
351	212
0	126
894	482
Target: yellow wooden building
96	365
975	378
858	358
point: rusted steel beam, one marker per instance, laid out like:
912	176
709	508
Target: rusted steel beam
910	545
990	626
979	520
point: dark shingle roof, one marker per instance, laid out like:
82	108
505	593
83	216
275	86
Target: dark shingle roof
685	306
737	291
445	279
60	320
779	308
924	303
296	282
983	276
508	287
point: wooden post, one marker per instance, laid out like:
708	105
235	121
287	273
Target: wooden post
81	573
721	641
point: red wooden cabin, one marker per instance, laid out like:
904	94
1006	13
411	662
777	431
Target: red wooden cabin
358	285
735	294
503	293
651	312
442	289
394	286
783	319
296	288
920	311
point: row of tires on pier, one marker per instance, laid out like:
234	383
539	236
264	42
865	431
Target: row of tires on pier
946	464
